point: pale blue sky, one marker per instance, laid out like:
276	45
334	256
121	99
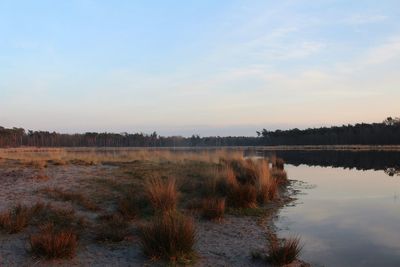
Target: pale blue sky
208	67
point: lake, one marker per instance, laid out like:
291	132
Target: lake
346	215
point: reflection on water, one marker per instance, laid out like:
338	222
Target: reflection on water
389	161
349	218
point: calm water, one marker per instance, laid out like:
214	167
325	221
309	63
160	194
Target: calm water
346	217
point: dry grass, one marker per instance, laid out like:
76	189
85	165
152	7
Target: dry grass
213	208
230	176
37	164
285	252
280	176
19	217
228	180
278	163
243	196
266	184
59	218
16	219
162	194
53	244
246	182
74	197
92	156
169	236
57	237
112	228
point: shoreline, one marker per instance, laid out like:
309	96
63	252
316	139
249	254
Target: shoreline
394	148
30	180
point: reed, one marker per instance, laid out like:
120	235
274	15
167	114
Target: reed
169	236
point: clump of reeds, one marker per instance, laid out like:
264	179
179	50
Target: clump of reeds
213	208
244	169
266	184
280	176
278	163
112	228
74	197
162	194
16	219
243	196
50	243
248	182
283	252
169	236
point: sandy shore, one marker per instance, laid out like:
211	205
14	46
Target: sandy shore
225	243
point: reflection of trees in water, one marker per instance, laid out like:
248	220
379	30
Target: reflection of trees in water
393	171
388	161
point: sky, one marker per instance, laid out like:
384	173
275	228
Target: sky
203	67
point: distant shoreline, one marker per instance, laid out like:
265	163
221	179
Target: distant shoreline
256	148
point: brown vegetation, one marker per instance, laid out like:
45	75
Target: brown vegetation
206	183
74	197
16	219
243	196
248	182
213	208
128	205
284	252
169	236
162	194
112	228
50	243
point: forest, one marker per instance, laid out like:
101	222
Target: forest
383	133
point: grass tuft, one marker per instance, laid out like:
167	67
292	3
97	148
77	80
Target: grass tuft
285	252
16	219
169	236
280	176
243	196
52	244
162	194
213	208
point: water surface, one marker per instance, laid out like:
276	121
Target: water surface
345	217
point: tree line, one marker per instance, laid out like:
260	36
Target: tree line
384	133
18	137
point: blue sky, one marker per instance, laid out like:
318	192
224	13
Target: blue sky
207	67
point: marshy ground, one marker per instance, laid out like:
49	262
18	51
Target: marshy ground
140	208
